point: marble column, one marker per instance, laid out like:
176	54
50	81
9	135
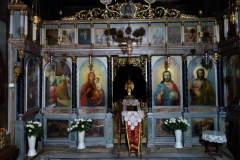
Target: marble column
220	84
185	83
20	86
73	135
74	83
149	82
20	133
150	118
40	82
109	63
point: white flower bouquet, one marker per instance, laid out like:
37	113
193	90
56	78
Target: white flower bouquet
80	125
33	128
177	123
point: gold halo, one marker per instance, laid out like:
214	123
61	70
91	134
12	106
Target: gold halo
150	1
106	2
200	67
238	72
160	74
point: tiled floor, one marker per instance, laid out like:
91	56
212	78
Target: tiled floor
102	153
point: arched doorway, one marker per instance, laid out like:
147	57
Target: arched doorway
122	71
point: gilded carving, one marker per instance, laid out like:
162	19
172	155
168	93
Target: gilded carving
74	59
118	11
135	61
22	12
184	57
16	2
21	53
149	57
109	58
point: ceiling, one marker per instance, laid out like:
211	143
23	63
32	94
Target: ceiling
49	9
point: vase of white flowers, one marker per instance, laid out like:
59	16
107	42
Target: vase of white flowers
80	125
33	130
177	125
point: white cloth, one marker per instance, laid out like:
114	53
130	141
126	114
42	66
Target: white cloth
214	136
132	117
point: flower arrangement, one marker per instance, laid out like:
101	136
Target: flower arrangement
80	125
177	123
33	128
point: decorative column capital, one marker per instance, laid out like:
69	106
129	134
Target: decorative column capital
225	16
184	57
21	53
75	25
22	12
149	57
74	59
91	24
109	58
11	12
25	12
149	24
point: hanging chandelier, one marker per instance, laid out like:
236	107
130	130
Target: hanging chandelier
232	16
36	12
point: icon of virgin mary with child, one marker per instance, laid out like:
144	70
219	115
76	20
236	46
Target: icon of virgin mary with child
92	93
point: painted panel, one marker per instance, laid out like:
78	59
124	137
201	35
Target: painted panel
57	128
58	84
201	82
174	34
52	36
190	34
166	84
162	130
68	36
200	124
93	84
84	36
157	34
97	128
101	36
208	34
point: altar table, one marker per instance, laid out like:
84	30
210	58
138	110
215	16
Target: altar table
213	141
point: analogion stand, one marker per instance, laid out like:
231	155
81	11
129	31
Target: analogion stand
133	115
213	141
